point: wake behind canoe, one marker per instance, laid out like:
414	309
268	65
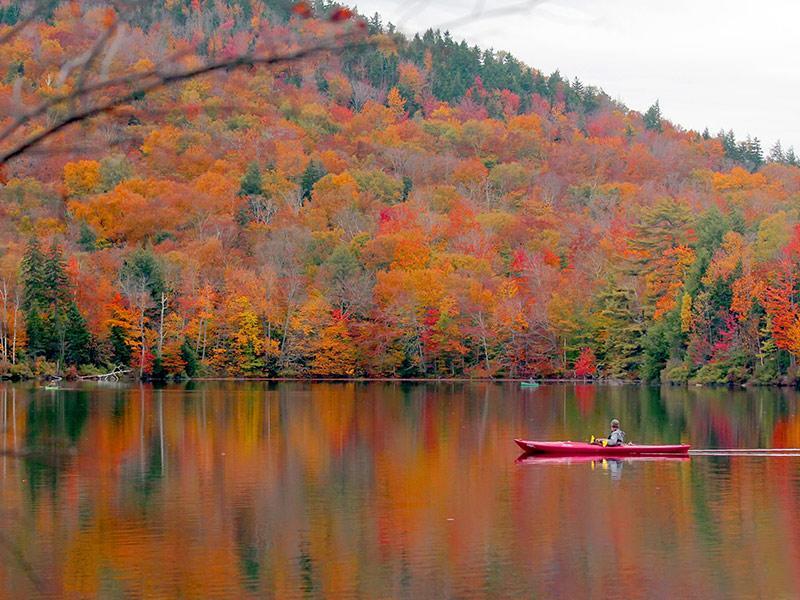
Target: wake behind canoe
582	448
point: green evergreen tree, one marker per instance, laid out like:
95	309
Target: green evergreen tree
87	238
753	153
662	227
729	145
629	131
38	341
120	351
662	341
408	185
158	372
189	355
313	173
652	118
252	184
59	289
375	25
77	339
776	153
9	15
36	300
53	303
142	269
620	329
321	81
34	281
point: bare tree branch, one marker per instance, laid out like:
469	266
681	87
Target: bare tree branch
480	13
415	7
89	58
161	80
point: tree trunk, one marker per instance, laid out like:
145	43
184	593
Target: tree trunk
285	335
199	333
141	332
269	339
14	343
484	343
4	323
161	323
289	310
205	331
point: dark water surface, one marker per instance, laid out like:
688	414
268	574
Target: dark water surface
383	490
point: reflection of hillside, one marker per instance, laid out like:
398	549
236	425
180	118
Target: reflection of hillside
389	490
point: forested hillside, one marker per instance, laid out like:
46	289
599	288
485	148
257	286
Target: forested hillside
394	208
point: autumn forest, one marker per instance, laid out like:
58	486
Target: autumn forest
370	204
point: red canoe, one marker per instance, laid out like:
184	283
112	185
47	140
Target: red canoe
582	448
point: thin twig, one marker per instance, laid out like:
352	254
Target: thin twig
500	11
98	47
163	81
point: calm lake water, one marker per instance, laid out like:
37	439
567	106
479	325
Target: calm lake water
389	490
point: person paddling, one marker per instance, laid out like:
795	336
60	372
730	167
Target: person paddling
617	437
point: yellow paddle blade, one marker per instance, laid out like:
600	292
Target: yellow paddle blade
605	443
592	440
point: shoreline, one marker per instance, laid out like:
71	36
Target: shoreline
542	381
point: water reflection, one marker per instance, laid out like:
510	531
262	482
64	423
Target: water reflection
390	490
613	466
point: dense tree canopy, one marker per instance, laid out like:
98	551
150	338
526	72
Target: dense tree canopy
403	207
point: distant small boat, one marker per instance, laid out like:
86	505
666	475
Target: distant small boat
529	384
52	387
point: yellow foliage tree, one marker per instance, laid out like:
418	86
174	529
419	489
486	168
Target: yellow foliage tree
396	104
82	177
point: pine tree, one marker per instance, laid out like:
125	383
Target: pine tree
791	158
755	154
189	356
121	352
729	145
313	173
37	335
408	185
776	153
35	300
375	25
57	283
87	239
652	118
34	281
620	330
142	269
251	184
9	15
77	339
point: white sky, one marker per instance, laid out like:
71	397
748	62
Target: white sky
722	64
